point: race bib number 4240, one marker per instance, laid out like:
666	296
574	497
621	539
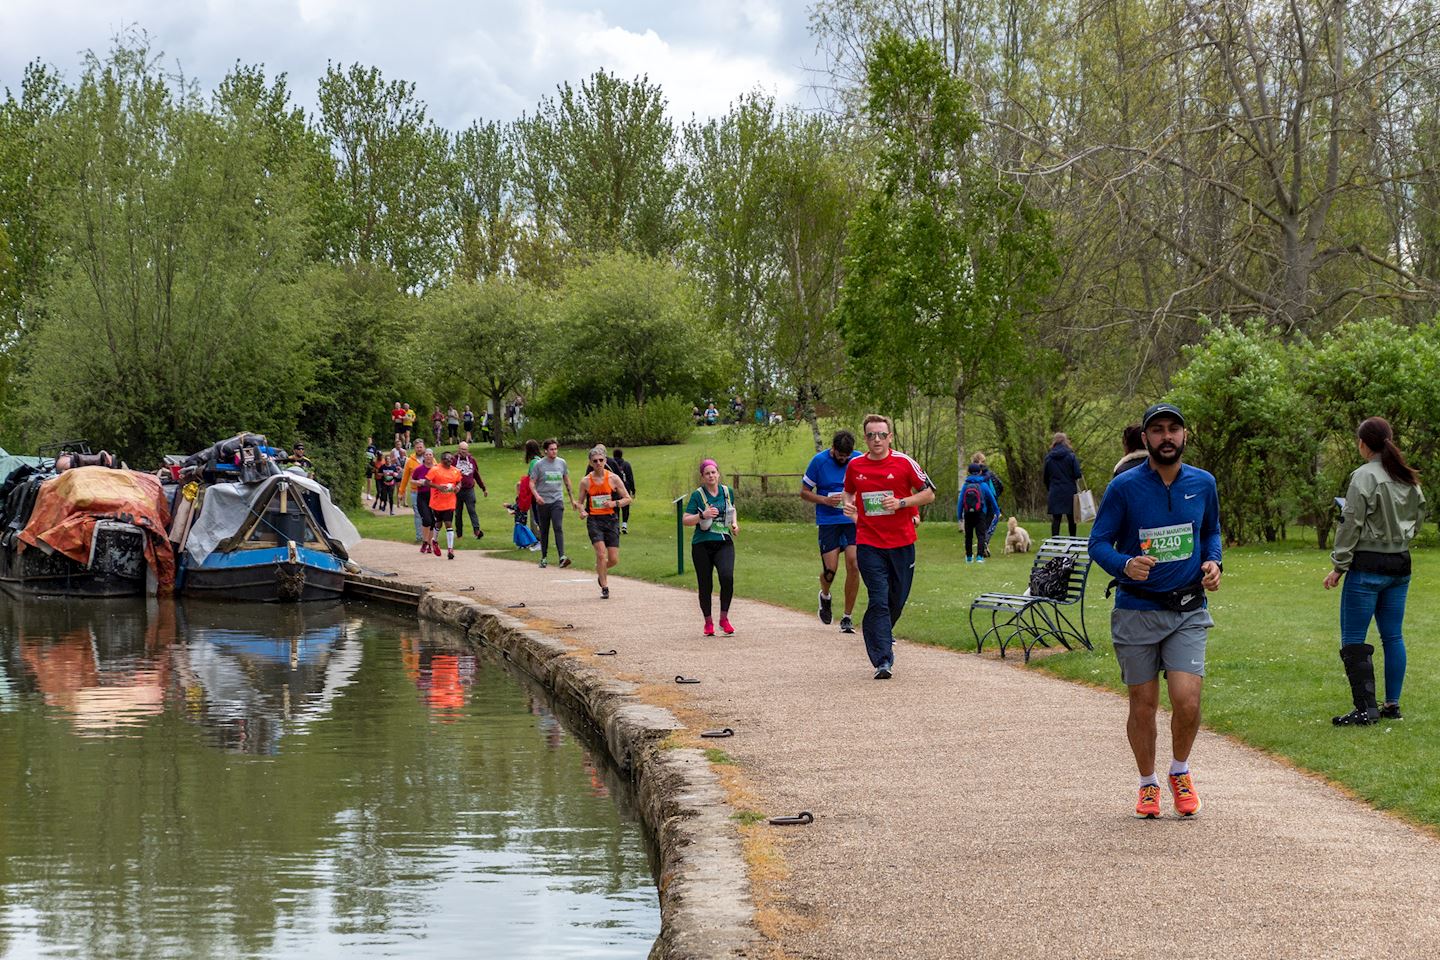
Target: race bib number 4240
1168	544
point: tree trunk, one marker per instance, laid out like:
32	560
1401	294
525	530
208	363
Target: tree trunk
807	411
960	459
497	421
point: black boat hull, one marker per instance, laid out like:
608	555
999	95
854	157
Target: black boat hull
119	571
285	582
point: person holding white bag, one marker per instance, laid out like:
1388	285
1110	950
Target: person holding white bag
1062	483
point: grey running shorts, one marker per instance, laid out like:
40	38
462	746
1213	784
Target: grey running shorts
1148	641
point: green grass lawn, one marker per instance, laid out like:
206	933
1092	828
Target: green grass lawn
1273	673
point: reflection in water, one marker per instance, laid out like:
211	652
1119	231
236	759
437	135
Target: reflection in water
337	817
248	686
442	676
111	665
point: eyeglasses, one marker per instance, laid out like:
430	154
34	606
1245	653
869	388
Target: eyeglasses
877	435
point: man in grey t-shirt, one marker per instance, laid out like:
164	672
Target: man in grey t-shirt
549	476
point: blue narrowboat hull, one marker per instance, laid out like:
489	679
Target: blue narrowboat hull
288	574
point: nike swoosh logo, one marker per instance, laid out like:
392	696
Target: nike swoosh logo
1193	663
1187	598
1191	496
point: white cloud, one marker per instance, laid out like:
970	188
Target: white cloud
491	59
697	78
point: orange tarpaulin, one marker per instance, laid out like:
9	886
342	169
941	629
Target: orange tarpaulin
67	507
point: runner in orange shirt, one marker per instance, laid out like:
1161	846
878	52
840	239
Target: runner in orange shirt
444	481
601	493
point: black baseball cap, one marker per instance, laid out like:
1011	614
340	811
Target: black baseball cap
1162	410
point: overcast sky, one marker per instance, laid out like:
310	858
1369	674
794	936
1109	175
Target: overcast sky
485	59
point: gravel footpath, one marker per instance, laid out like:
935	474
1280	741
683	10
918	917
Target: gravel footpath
970	808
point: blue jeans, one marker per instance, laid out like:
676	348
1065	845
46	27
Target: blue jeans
887	574
1367	595
412	498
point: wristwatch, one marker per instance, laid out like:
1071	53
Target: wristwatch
902	503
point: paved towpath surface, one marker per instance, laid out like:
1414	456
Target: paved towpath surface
969	808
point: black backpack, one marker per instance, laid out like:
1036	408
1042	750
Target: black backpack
1053	579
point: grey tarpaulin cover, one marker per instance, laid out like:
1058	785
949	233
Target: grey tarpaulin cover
226	507
10	462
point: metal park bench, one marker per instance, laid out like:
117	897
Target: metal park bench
1039	620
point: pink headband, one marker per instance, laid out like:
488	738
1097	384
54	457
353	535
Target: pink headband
708	463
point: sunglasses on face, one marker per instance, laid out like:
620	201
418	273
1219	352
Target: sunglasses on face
597	459
877	435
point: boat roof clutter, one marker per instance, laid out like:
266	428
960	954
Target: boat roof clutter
68	506
229	506
10	462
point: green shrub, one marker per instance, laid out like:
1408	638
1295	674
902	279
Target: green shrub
773	509
661	421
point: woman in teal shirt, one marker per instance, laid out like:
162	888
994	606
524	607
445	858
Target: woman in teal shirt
711	511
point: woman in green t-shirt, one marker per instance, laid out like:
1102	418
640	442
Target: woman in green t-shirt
711	511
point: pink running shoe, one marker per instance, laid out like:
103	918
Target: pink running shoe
425	547
725	625
709	628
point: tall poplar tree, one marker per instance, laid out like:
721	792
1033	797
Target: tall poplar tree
944	258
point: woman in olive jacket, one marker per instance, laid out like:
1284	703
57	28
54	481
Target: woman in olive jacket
1383	510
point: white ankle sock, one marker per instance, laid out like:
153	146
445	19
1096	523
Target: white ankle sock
450	539
1150	781
1178	767
824	596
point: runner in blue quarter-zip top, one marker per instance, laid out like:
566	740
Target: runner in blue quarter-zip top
824	486
1158	535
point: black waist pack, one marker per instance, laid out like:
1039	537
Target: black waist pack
1385	564
1181	601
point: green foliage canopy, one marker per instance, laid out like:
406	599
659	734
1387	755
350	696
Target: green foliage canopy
630	327
181	231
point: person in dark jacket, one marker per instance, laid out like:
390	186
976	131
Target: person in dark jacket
1062	482
1133	439
622	468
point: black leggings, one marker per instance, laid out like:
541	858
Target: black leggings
551	515
1055	523
976	523
711	557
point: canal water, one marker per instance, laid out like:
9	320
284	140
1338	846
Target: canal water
182	779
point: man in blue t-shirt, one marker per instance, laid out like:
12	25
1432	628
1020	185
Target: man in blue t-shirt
1158	535
824	486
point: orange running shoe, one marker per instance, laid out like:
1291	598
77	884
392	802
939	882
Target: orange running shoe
1182	789
1148	807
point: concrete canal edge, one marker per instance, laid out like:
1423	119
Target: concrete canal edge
706	912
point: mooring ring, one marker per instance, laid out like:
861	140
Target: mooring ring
803	819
